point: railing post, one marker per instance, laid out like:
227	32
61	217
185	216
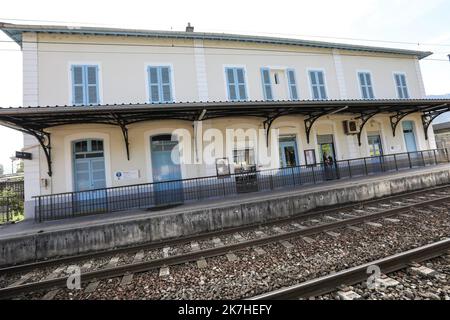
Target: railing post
409	159
423	159
435	157
313	174
39	209
395	161
293	177
365	167
349	169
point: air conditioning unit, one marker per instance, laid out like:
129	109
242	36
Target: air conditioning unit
351	127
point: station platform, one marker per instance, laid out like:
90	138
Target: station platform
29	240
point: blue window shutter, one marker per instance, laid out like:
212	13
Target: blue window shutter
231	84
166	90
267	85
153	76
315	91
242	90
400	82
321	84
92	84
292	84
78	85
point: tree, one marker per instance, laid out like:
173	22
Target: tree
20	167
1	170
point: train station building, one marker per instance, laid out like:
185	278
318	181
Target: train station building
120	119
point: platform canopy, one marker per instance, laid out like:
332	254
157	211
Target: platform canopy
35	120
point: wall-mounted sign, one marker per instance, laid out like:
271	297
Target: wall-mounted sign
310	157
23	155
222	167
126	175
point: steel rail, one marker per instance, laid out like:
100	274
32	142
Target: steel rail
329	283
207	253
171	242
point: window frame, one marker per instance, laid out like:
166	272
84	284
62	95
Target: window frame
361	92
71	75
262	69
311	90
290	86
227	91
171	82
395	73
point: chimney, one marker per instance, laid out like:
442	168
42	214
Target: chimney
189	28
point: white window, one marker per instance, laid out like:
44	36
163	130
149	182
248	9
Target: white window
160	84
402	89
244	157
237	90
85	84
365	81
318	89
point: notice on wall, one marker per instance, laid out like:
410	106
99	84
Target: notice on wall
126	175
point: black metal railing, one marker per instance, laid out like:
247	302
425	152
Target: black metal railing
168	193
16	186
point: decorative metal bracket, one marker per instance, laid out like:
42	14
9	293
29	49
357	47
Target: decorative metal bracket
45	141
395	119
269	120
310	121
428	117
123	126
365	117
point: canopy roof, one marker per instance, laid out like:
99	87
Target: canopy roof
35	120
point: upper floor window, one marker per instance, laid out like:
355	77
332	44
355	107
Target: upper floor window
236	84
160	85
402	89
267	84
365	81
318	89
292	83
85	84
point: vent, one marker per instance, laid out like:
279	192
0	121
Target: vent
351	127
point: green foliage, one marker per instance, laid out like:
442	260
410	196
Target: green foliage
11	200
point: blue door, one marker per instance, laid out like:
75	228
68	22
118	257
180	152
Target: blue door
288	153
289	160
375	152
168	187
89	176
410	139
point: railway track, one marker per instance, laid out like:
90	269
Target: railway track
440	190
431	198
330	283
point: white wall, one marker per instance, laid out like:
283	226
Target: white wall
198	68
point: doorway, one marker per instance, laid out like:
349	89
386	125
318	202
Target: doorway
410	138
375	151
288	152
166	171
327	156
89	174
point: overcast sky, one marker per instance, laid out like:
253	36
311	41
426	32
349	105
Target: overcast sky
423	24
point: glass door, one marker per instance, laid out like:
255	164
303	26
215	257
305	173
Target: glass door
168	187
327	156
288	152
